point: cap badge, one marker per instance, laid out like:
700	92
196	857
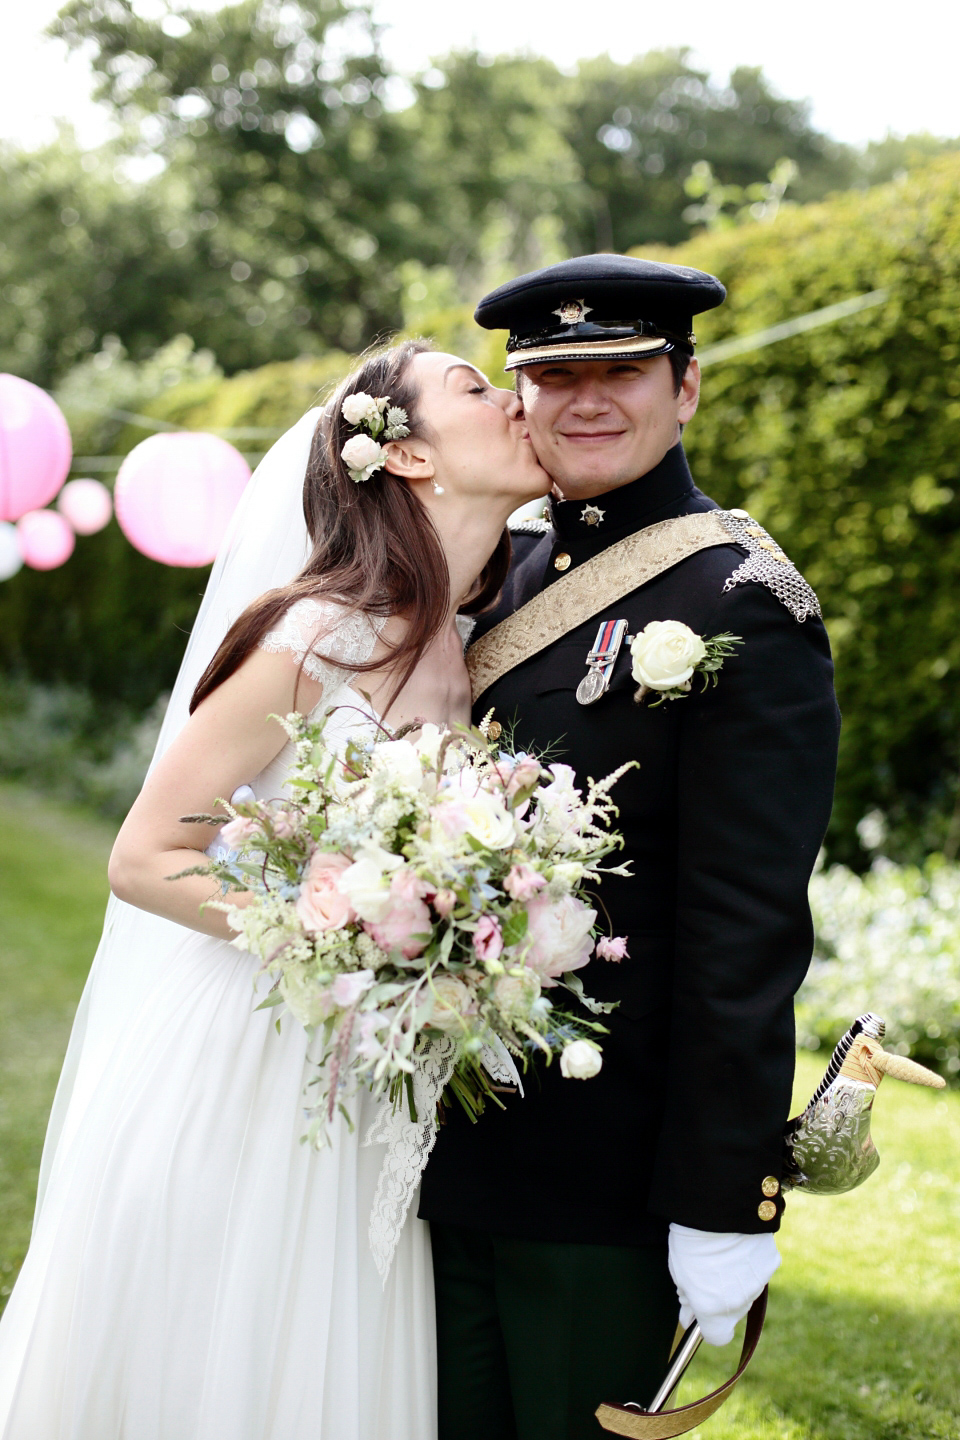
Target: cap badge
571	312
592	514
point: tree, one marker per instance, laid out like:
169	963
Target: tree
83	255
639	129
299	192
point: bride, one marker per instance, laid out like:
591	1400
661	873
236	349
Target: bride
196	1273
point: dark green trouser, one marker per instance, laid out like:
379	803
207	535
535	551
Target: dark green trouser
531	1336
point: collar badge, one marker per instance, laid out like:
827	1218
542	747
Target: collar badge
592	514
571	312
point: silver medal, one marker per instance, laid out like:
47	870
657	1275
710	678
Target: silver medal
601	660
591	687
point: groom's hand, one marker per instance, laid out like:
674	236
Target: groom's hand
718	1276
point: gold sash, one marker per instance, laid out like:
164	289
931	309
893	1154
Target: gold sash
583	592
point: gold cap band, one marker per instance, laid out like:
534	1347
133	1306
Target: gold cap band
634	346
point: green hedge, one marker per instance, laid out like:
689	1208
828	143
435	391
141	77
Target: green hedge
845	442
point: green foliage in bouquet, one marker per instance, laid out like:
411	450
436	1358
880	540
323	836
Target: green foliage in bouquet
416	891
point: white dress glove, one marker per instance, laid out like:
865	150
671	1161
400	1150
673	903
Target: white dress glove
718	1276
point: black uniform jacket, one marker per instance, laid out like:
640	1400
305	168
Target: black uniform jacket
722	822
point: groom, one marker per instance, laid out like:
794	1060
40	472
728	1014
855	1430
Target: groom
570	1227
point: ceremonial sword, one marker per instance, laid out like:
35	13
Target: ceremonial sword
828	1150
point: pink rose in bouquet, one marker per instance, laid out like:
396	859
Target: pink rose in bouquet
406	925
321	906
559	932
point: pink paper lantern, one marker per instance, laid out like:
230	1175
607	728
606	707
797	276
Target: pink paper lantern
46	539
85	505
175	494
35	448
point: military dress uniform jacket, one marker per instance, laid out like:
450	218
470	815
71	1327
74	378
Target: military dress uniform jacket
722	821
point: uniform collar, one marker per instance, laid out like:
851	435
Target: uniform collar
628	508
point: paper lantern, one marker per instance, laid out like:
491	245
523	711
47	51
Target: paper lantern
46	539
35	448
10	557
175	494
85	505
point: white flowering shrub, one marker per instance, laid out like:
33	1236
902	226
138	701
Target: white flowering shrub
887	941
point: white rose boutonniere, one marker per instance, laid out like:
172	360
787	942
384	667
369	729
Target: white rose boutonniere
667	654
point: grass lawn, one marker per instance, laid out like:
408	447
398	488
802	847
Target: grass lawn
53	864
863	1335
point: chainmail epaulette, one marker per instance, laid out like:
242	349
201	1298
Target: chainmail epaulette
767	564
532	526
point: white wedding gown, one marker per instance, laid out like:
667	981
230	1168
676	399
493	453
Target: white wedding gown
197	1273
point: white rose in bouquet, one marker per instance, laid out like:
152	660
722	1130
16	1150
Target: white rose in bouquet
580	1060
665	655
559	932
482	815
451	999
516	993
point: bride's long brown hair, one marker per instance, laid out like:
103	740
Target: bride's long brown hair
375	548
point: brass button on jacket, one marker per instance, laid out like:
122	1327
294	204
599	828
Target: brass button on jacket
562	561
766	1210
770	1187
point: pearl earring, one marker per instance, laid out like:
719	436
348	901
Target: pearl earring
437	489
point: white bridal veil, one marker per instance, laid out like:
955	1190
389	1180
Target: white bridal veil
266	545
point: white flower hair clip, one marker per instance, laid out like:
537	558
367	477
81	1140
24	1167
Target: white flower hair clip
363	454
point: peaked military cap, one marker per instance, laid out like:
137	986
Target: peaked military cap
599	305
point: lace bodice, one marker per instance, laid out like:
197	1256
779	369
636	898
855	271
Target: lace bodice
348	639
315	628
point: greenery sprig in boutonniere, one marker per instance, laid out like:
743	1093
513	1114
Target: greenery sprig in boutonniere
667	654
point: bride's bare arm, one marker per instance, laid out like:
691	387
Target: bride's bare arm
226	742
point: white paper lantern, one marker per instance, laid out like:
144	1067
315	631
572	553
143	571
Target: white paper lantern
10	557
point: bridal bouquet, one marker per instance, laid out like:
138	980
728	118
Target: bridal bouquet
421	886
